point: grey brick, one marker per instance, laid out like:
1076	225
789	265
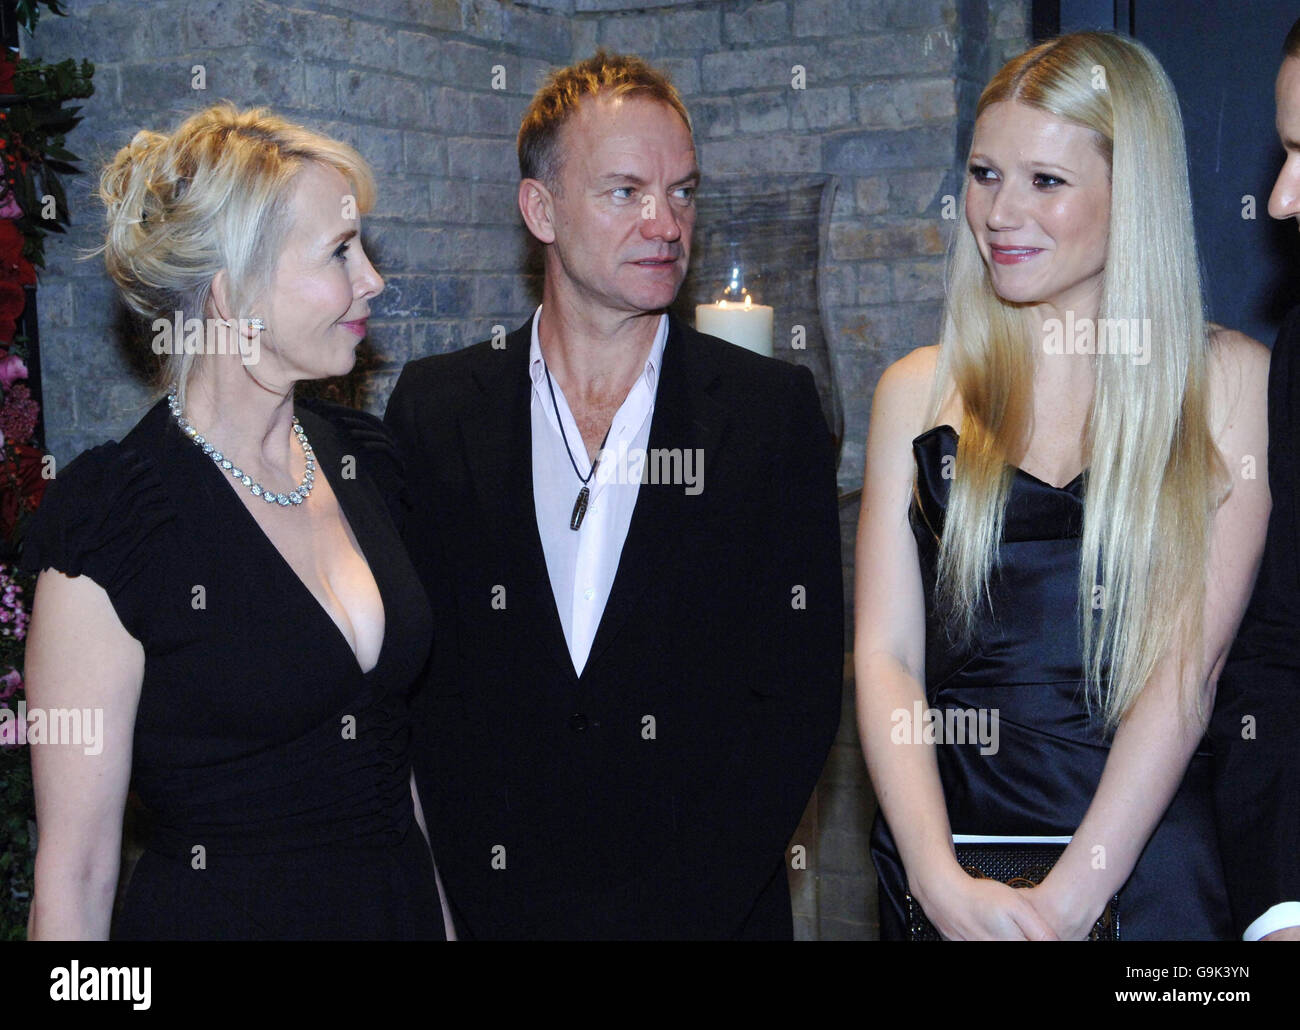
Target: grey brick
384	98
866	152
907	239
424	152
476	113
762	112
54	305
897	53
684	72
493	293
897	104
748	156
312	34
838	285
530	75
381	147
713	117
212	24
760	68
872	195
838	18
914	193
386	242
875	283
631	34
919	280
493	160
495	204
690	30
403	199
539	33
94	302
821	108
405	296
319	92
932	13
757	23
453	296
453	201
485	18
585	37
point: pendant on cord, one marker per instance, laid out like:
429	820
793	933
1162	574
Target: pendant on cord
579	509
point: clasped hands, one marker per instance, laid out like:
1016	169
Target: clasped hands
964	908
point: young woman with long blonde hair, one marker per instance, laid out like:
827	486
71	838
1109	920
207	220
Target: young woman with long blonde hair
1063	511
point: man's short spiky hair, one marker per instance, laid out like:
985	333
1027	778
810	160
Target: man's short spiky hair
602	74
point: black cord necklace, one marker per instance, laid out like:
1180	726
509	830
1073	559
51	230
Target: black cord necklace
580	505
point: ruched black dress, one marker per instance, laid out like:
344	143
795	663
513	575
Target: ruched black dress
1025	664
274	771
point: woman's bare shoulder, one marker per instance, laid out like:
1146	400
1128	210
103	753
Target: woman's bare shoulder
1238	369
903	393
1238	380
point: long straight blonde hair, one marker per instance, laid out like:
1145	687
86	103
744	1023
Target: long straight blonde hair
1155	475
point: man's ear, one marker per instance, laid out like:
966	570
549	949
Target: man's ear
537	205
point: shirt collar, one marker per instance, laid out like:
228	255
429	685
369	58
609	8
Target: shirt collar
653	362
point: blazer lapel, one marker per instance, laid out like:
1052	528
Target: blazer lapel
496	432
685	416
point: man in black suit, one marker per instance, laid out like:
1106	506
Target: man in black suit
1256	725
629	534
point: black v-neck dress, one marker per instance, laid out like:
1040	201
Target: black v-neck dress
274	771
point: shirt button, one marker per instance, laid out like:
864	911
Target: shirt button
589	593
577	722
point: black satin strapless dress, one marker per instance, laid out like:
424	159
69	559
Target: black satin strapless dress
1025	663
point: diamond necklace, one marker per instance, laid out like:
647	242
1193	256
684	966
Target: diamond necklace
222	462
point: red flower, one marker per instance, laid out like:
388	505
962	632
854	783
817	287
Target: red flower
15	273
21	486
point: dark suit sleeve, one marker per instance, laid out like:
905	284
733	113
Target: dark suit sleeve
769	761
1256	724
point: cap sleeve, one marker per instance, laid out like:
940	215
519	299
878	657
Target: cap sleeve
97	519
378	456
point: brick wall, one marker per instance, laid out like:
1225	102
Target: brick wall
889	87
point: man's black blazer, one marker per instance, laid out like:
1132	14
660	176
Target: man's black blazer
655	795
1257	793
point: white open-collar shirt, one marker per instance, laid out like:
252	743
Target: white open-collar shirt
582	563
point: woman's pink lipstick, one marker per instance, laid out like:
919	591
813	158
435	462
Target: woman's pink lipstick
358	327
1013	255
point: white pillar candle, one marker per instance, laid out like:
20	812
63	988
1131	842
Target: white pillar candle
747	325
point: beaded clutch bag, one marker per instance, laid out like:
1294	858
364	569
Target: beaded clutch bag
1017	862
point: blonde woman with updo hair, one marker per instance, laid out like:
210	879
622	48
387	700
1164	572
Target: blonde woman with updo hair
1063	512
226	589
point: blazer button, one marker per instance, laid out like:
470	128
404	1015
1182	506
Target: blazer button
577	722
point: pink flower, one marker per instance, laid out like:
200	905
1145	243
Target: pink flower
9	207
11	369
10	682
18	416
